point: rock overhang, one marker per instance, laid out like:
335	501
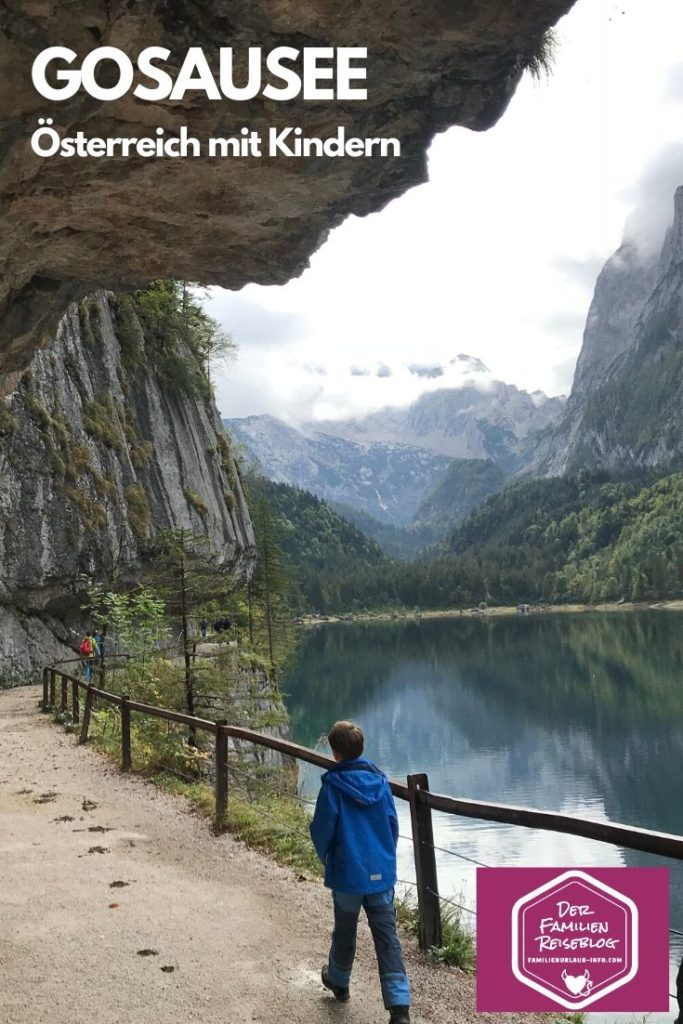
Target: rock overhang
68	226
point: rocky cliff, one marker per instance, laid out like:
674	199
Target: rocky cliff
386	481
458	443
479	418
100	447
624	410
68	226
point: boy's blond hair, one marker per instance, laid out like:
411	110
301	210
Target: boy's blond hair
346	739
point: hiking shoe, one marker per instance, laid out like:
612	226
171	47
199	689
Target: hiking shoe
399	1015
342	995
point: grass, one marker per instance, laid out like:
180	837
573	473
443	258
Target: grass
458	946
101	420
197	503
8	422
139	512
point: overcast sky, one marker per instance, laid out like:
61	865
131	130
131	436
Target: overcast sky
496	256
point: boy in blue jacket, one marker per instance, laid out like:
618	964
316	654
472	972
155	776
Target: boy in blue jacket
355	831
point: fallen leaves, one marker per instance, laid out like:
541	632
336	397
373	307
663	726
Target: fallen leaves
98	849
148	952
88	805
46	798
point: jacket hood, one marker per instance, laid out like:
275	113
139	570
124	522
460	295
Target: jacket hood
359	779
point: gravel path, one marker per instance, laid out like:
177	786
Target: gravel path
235	937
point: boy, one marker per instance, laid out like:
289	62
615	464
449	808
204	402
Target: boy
355	831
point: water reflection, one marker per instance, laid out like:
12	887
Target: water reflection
576	713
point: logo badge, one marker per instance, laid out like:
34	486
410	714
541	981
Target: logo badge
574	939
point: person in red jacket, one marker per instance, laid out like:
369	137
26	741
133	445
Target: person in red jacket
355	832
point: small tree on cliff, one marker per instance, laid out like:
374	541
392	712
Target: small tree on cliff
186	577
269	586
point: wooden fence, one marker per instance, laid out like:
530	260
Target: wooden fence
416	791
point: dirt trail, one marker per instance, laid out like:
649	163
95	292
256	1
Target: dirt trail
244	938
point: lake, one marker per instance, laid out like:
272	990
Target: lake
581	713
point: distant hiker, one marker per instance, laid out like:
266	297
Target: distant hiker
87	651
204	626
98	637
355	832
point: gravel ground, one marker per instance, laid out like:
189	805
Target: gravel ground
235	937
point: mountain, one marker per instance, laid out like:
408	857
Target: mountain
584	537
465	486
386	464
107	438
386	481
625	405
320	546
481	418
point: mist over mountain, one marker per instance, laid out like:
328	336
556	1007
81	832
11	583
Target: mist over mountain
386	464
481	418
625	406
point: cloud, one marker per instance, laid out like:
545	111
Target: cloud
580	270
359	371
384	371
673	89
651	199
425	370
314	369
252	324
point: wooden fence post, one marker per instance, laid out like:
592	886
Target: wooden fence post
52	687
429	932
125	734
89	698
46	690
65	694
75	703
221	773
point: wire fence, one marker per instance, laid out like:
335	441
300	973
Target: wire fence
250	779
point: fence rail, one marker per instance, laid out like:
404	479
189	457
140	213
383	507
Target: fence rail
416	791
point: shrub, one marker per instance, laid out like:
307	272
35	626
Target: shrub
139	512
102	422
141	453
8	422
197	503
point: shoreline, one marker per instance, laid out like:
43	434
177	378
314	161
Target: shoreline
489	613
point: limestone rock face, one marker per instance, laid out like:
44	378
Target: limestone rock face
624	410
97	454
68	226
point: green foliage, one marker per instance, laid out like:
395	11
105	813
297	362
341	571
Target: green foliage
458	945
269	587
466	484
584	538
92	516
197	503
47	422
180	340
317	544
8	422
139	512
103	421
89	317
457	948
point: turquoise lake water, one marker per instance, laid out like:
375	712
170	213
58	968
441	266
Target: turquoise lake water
576	713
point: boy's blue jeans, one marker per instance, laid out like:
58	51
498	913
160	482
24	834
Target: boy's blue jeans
379	908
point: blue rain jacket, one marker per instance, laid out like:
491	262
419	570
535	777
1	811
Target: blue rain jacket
355	828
